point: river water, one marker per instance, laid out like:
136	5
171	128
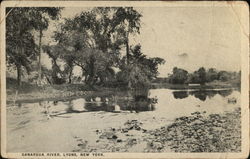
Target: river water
56	126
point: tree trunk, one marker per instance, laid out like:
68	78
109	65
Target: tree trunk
19	74
127	54
39	57
70	74
92	73
127	48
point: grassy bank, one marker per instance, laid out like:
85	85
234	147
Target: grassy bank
31	92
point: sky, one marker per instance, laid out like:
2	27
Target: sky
186	37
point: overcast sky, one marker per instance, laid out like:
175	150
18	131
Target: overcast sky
187	37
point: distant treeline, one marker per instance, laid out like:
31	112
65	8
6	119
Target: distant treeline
200	76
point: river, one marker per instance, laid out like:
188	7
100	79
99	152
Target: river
59	126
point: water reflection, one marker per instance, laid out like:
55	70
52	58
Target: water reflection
135	103
202	94
130	102
180	94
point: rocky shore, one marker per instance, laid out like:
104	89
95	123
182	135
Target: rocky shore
201	133
198	132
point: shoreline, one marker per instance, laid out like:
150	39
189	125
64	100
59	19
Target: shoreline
197	132
28	92
63	92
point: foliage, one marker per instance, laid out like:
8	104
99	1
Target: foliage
201	76
212	75
140	70
179	76
93	39
56	74
20	44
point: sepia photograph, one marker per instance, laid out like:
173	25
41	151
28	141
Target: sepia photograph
124	79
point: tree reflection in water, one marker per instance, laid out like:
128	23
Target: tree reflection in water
133	101
202	94
180	94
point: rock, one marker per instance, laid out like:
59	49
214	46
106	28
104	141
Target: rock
119	140
156	145
132	141
114	137
124	130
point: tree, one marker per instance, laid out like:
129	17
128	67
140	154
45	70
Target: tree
140	71
54	52
129	20
179	76
20	44
199	76
78	50
202	75
212	75
224	76
41	22
96	37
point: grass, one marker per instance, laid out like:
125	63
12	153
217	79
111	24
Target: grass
28	92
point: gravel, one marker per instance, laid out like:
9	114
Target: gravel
200	133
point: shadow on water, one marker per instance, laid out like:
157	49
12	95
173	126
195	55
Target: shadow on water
202	94
136	101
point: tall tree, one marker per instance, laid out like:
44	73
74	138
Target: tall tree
20	44
141	70
128	19
92	32
41	22
20	24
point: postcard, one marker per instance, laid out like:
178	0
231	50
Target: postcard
124	79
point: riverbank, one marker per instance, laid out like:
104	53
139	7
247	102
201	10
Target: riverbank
211	85
201	133
198	132
30	92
